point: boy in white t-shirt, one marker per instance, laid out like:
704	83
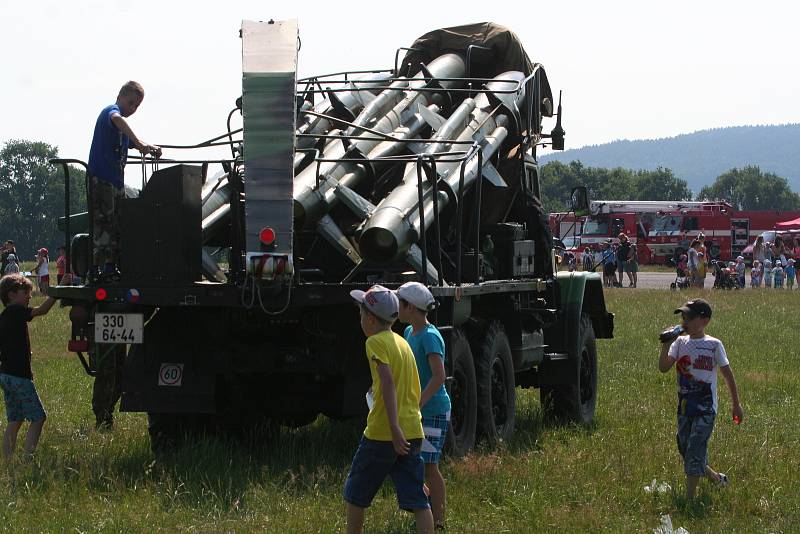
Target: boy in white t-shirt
697	357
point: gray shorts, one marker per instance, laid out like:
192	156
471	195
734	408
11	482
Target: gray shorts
693	435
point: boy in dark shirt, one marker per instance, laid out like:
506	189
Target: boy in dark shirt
16	378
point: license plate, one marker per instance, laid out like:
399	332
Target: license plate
118	328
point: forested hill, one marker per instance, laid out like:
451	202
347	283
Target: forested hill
700	157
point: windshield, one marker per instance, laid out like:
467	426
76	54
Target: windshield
571	241
595	226
667	223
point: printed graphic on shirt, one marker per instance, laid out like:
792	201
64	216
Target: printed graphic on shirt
696	363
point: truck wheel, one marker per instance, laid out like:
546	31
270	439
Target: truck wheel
462	390
576	402
496	393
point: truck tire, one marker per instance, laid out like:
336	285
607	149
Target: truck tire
496	387
168	431
462	390
576	402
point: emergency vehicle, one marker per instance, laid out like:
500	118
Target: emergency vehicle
666	228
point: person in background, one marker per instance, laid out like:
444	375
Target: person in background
42	270
791	273
767	273
633	266
740	270
694	262
778	275
609	260
12	266
61	264
623	252
759	250
587	259
755	274
8	248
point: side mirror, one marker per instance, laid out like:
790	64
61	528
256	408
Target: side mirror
579	201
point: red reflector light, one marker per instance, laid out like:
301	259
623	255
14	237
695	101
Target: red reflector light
78	345
100	294
267	236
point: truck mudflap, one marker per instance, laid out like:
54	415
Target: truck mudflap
167	375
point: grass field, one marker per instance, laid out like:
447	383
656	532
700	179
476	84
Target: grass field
549	478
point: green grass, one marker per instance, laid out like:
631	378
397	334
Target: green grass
549	478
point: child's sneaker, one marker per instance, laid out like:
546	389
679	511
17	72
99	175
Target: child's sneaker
723	480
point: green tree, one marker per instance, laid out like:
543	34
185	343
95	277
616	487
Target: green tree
751	189
32	196
558	179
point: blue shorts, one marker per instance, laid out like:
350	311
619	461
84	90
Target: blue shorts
693	435
373	462
435	428
22	400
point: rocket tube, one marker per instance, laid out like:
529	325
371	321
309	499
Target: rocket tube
309	206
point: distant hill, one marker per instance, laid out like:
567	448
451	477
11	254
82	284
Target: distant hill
700	157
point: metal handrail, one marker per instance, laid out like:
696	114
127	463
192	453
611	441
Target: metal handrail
65	163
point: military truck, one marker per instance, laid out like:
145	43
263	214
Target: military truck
233	289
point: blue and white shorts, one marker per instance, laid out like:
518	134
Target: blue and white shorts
22	400
435	429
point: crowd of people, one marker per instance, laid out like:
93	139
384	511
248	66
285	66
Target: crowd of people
773	266
617	260
41	270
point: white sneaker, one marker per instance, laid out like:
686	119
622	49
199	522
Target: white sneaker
723	480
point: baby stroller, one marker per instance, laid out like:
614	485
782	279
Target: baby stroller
682	280
723	277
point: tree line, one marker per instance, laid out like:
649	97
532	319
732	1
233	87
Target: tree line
32	196
748	188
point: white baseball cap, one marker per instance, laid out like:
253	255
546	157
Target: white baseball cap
417	295
379	300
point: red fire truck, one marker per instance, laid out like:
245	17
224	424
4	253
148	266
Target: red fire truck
666	228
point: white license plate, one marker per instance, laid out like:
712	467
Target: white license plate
118	328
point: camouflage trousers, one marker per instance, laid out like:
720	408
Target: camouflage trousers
105	227
108	361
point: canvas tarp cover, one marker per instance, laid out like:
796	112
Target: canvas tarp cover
506	52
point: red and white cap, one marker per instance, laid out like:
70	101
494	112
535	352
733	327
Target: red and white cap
379	300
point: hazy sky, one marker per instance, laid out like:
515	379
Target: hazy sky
628	70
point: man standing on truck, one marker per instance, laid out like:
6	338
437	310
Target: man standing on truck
107	158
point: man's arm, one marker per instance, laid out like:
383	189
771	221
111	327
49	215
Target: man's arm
43	308
727	374
664	361
437	368
401	446
120	122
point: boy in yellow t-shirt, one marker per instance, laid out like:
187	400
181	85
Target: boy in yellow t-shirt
392	442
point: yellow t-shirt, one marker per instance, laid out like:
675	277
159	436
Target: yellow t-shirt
391	349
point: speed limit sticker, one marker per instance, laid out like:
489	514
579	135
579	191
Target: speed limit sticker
170	374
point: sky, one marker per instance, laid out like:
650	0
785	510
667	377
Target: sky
627	69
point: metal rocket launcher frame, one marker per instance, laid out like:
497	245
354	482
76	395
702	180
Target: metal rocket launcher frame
439	169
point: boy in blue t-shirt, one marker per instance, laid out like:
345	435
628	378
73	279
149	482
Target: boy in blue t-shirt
790	271
107	158
428	346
